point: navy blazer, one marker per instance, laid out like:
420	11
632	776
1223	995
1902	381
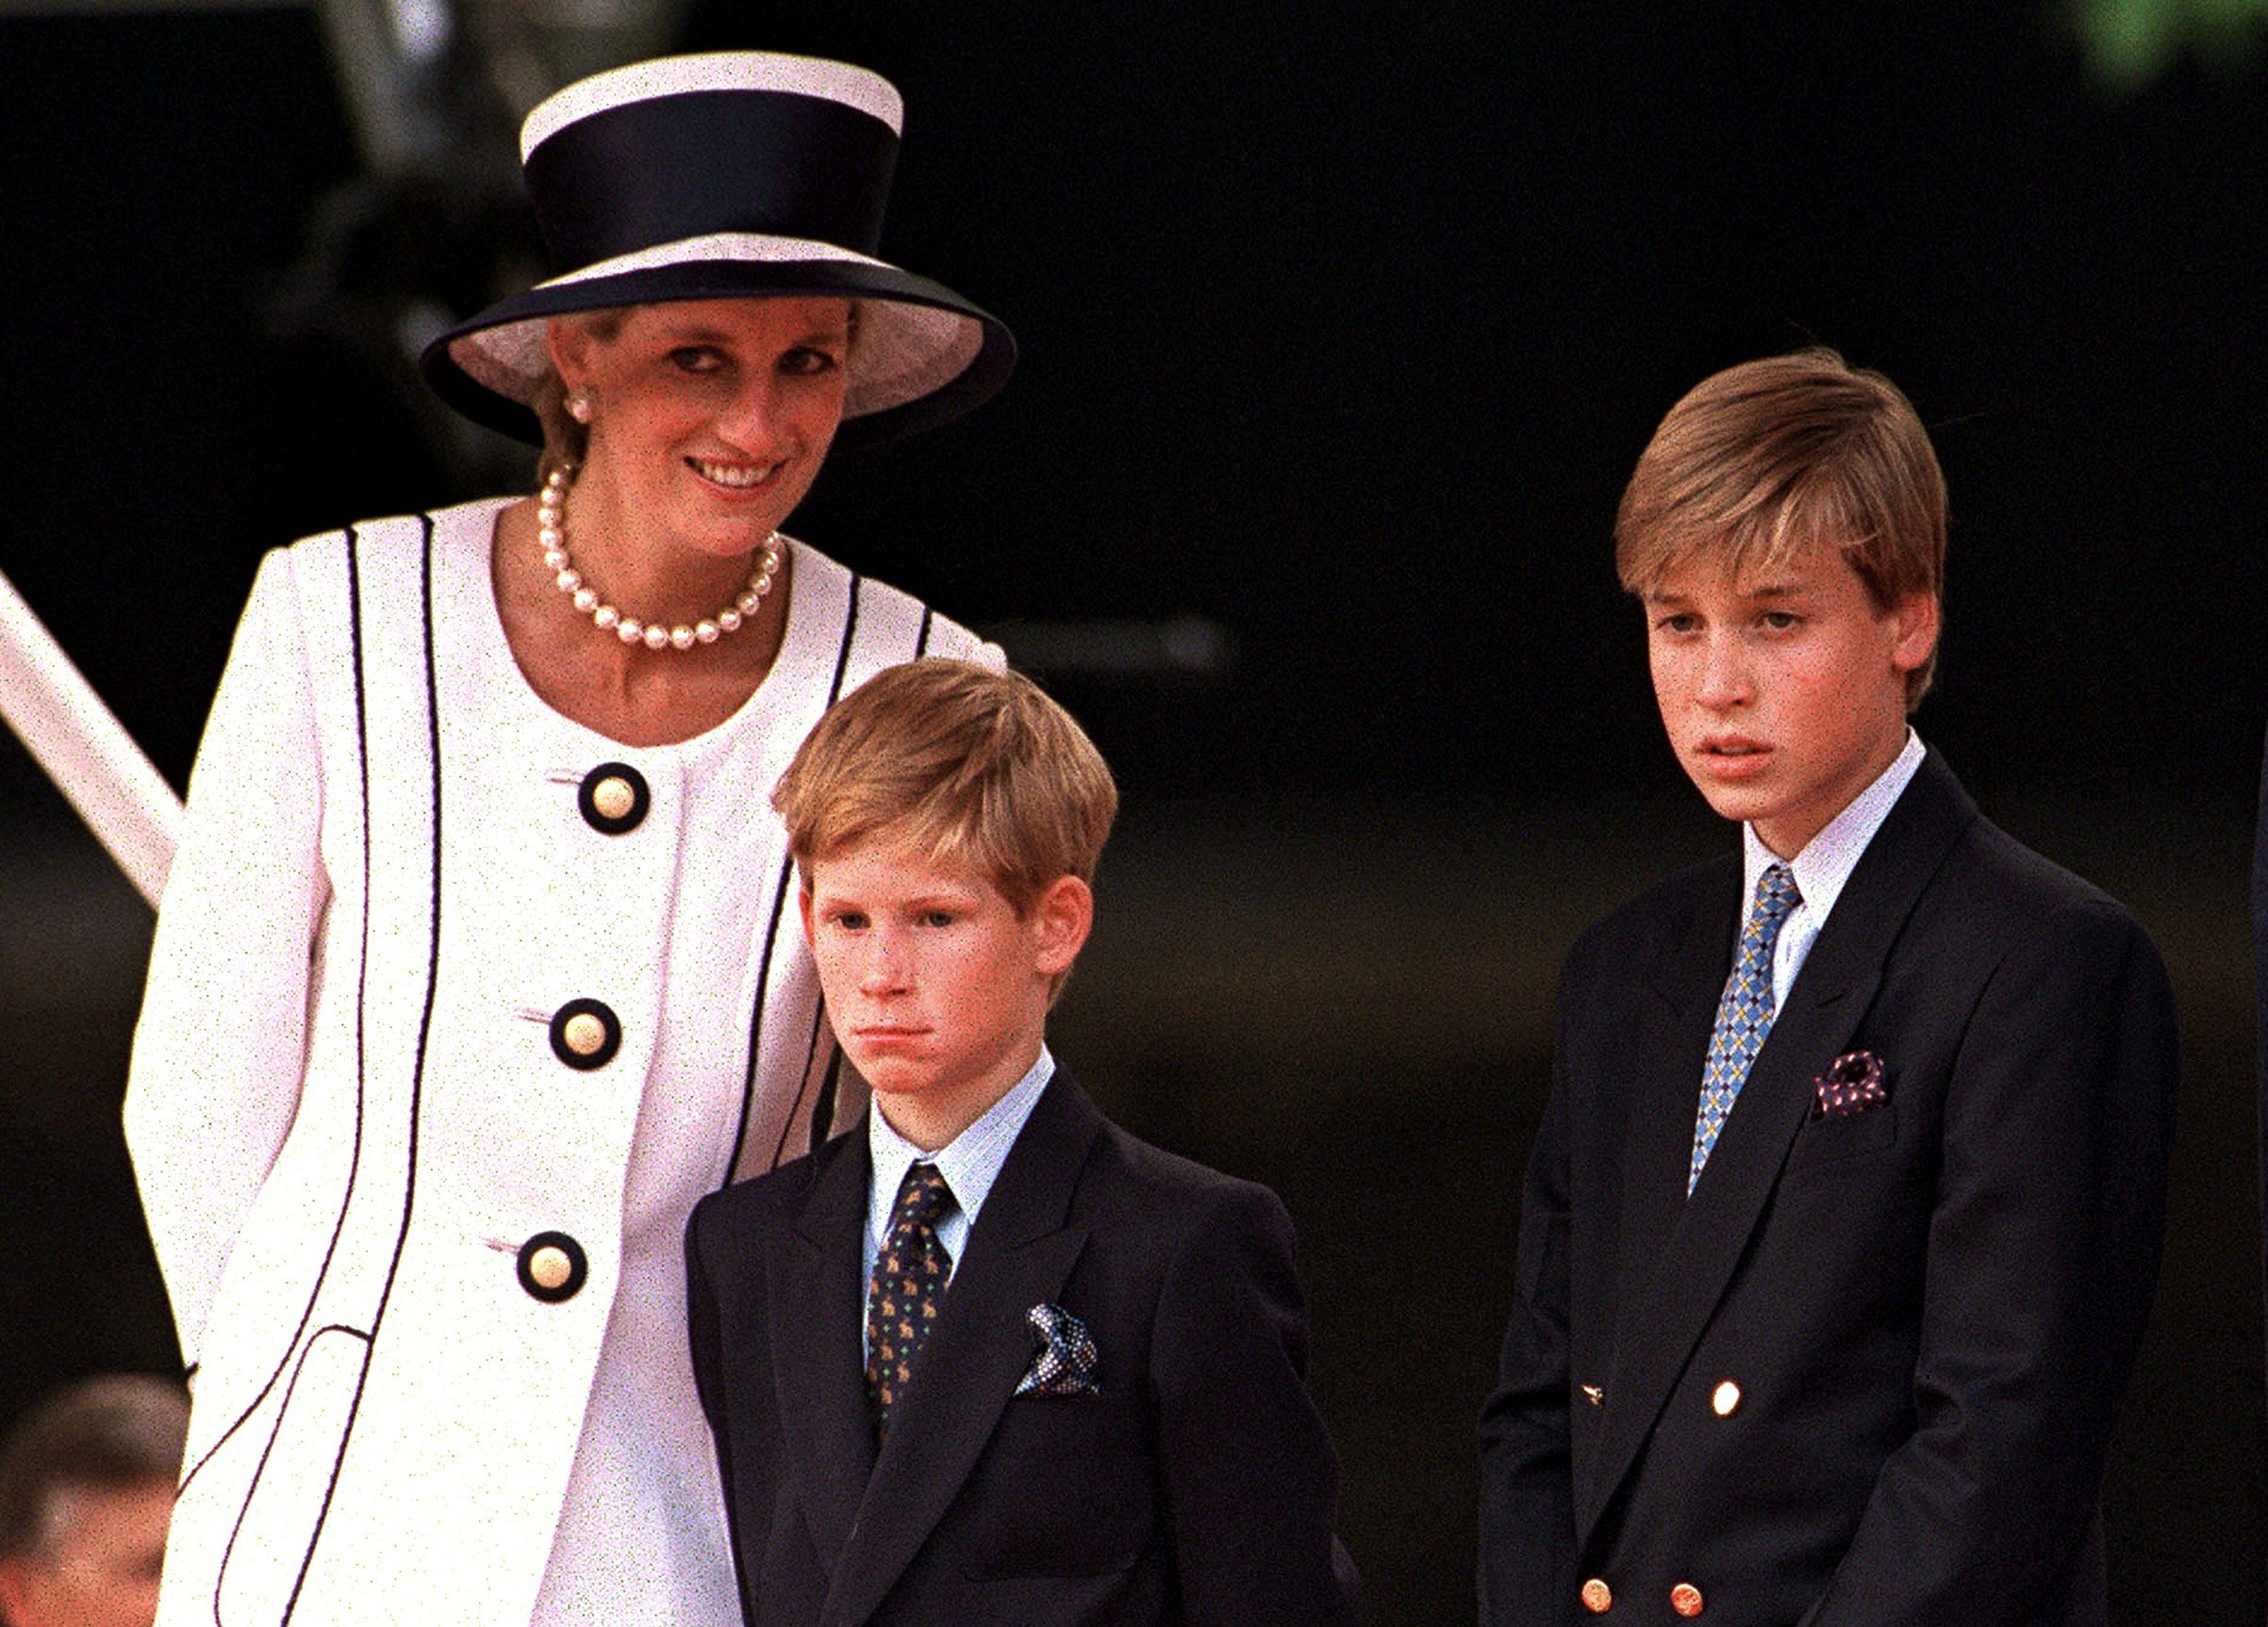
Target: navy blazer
1865	1376
1196	1486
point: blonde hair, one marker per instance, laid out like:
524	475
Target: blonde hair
975	767
114	1433
1762	462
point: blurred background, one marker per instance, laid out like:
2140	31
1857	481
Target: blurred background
1342	324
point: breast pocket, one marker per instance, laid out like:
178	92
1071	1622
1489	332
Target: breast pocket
1067	1488
1823	1141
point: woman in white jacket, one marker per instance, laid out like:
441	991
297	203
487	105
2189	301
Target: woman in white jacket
474	970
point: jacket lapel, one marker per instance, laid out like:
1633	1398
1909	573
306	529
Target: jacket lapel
1020	1253
1671	1049
819	1322
1679	1272
1667	1051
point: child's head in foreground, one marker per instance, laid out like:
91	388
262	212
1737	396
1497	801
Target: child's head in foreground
946	820
1785	529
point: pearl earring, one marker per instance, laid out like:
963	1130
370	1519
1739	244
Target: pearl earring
578	406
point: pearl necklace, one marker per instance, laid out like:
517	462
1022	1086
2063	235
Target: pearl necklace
551	530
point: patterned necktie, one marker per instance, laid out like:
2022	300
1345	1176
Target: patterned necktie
1744	1015
909	1282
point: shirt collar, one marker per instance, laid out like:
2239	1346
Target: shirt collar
970	1163
1827	860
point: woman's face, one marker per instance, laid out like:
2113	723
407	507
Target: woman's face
709	418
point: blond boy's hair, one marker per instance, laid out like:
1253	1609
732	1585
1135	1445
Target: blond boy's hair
1762	462
972	767
116	1433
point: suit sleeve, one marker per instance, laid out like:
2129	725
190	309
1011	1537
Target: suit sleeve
702	1335
1250	1482
2042	1256
1527	1533
220	1047
705	1333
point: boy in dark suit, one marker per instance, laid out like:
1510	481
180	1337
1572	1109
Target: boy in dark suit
987	1358
1841	1224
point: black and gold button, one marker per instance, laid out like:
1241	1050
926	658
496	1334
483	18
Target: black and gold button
614	798
1685	1598
585	1034
1597	1597
553	1266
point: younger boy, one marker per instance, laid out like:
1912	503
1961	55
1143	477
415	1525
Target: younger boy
987	1358
1841	1227
86	1498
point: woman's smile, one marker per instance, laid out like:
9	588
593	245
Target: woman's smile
734	477
743	395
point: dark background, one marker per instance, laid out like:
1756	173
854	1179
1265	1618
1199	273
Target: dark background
1342	324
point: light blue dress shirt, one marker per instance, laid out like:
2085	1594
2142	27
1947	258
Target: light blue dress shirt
1823	867
970	1163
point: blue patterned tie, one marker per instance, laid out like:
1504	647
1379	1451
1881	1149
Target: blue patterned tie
1744	1015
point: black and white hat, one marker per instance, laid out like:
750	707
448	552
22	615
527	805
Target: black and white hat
738	172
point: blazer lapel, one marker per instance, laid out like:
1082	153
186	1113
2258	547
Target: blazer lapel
1669	1051
1679	1272
1020	1253
1673	1044
819	1320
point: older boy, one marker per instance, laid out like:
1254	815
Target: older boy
1841	1224
987	1358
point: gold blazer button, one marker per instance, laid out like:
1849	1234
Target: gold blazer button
1685	1598
553	1266
586	1034
613	798
1597	1597
1726	1399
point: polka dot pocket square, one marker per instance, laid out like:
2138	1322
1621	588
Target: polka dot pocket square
1852	1086
1064	1357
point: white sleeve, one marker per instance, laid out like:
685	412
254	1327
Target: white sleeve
220	1045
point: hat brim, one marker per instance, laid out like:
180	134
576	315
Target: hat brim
923	356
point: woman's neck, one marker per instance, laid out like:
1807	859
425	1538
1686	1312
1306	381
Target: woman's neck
628	692
635	565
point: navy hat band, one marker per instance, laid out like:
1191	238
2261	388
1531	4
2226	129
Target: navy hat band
665	168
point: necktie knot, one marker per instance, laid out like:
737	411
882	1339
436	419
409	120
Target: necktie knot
1776	897
922	1198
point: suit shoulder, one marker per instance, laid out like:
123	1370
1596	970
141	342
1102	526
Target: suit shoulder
764	1201
462	525
1170	1191
1655	919
2005	886
911	625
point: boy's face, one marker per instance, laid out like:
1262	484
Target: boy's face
1785	694
99	1568
937	989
